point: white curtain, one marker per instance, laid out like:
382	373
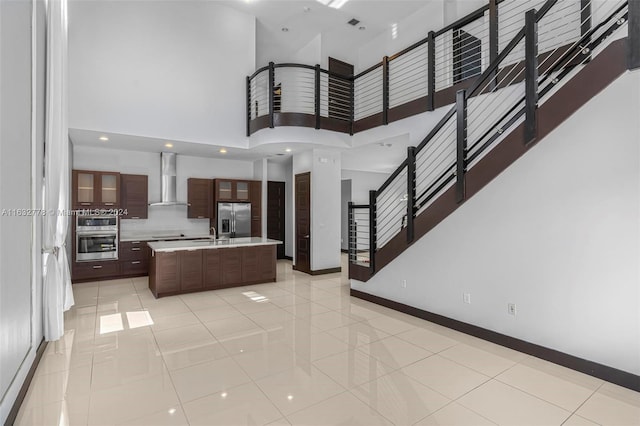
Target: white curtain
57	293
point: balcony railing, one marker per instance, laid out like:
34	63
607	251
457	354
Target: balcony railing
420	78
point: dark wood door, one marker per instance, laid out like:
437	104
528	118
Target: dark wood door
134	191
199	193
256	208
303	222
276	214
340	89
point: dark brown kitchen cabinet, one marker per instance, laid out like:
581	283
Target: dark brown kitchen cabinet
232	190
86	271
199	193
134	258
93	189
250	264
266	262
256	208
231	266
164	273
212	269
190	270
134	196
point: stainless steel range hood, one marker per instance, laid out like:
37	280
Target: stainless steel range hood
168	180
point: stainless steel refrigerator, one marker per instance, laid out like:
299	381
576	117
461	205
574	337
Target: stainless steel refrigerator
234	220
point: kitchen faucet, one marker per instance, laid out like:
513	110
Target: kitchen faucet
212	231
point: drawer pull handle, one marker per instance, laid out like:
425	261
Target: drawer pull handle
97	267
134	217
135	242
135	262
135	248
108	204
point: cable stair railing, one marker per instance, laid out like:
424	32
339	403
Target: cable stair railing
555	43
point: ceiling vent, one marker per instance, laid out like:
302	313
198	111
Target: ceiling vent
353	22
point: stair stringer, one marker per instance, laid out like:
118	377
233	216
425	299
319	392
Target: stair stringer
605	68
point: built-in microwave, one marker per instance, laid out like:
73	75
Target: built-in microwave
96	238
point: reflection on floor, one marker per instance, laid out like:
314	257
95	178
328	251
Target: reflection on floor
300	351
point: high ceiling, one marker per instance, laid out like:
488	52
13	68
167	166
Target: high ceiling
305	19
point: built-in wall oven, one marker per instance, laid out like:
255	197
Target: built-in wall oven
96	237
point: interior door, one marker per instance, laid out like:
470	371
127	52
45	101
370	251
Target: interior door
303	222
276	214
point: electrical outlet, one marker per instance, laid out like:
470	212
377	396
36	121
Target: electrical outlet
404	283
466	298
511	308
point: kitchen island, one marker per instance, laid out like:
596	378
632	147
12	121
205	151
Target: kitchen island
188	266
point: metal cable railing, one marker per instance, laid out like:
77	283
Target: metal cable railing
359	232
571	32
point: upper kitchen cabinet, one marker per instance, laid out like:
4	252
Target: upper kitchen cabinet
230	190
199	193
134	196
92	189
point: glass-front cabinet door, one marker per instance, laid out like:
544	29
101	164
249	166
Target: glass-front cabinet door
109	189
242	191
225	190
85	190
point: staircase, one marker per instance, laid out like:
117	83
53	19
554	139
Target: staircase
544	74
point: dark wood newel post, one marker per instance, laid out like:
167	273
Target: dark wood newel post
531	77
411	191
431	70
385	90
372	231
272	78
461	144
248	106
317	95
634	35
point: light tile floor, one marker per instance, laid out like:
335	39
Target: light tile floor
297	352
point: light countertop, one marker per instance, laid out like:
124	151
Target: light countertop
211	244
159	235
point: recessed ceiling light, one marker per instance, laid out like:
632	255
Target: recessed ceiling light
362	28
168	145
103	138
285	29
223	151
307	9
288	150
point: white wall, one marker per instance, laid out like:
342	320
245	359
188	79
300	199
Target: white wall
21	150
557	233
147	163
325	204
362	183
410	29
160	69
